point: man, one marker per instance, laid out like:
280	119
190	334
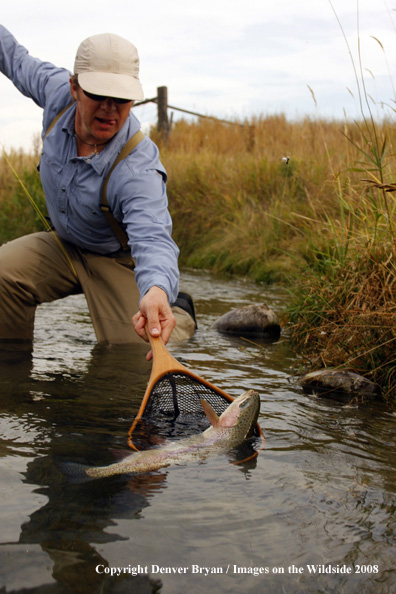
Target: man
87	120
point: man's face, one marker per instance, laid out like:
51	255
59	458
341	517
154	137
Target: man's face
98	121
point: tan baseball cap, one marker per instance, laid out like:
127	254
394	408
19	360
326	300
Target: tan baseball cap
107	64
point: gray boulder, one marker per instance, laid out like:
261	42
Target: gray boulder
330	382
252	320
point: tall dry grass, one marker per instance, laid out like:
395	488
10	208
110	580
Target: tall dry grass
238	207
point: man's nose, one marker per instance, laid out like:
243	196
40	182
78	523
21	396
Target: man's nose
108	104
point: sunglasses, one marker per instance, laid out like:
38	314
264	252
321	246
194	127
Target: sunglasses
103	98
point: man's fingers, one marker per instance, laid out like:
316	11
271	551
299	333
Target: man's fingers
155	317
166	333
139	322
154	329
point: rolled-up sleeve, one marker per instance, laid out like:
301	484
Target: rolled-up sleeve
137	196
145	213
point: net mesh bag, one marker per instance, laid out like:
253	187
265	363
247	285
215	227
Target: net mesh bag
176	394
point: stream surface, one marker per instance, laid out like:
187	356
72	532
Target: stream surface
313	512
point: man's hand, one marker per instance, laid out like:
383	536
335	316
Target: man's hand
156	311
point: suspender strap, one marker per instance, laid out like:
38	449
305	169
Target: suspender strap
56	118
52	124
104	205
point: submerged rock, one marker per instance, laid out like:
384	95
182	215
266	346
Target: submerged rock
332	382
252	320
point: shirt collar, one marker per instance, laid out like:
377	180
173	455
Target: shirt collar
103	161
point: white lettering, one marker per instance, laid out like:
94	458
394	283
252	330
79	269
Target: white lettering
329	569
251	570
158	569
206	570
117	571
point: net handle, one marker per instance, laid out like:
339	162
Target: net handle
163	363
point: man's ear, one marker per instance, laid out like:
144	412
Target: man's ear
73	89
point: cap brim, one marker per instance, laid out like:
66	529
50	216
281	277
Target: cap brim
109	84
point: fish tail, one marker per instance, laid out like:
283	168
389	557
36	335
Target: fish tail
75	472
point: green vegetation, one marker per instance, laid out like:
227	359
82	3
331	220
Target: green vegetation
17	215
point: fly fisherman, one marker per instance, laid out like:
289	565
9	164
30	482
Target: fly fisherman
124	288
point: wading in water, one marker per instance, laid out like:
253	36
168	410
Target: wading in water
122	257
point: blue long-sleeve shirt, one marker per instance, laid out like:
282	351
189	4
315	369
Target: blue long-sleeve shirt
136	191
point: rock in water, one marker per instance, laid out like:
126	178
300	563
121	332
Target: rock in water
252	320
329	382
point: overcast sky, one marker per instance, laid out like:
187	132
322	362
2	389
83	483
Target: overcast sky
227	58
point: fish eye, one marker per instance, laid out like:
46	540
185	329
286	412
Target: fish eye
244	404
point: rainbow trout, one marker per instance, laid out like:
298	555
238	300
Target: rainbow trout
226	432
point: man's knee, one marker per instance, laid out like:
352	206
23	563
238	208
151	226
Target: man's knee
184	312
7	263
185	325
15	280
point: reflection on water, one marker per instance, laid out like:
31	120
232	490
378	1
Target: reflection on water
313	513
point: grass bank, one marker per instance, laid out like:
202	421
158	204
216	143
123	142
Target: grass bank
310	204
307	203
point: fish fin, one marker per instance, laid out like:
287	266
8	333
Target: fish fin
210	412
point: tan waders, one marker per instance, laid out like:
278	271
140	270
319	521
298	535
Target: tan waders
34	269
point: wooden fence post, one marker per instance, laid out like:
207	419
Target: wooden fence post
162	101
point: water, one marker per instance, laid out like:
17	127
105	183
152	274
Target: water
315	512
